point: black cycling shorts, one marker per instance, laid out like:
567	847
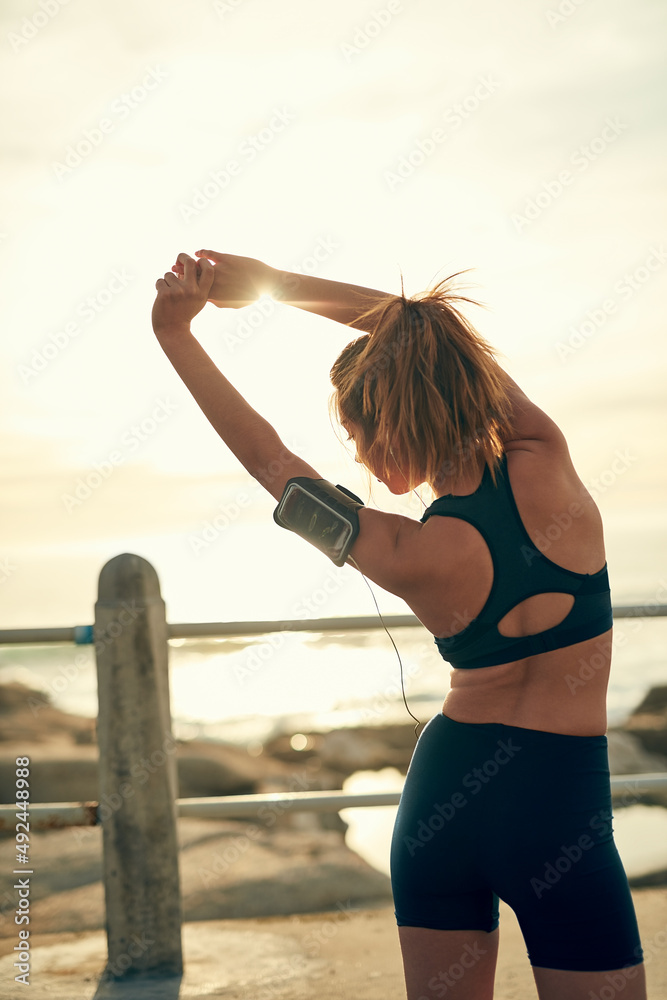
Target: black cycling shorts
491	811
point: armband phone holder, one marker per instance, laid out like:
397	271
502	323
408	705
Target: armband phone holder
324	514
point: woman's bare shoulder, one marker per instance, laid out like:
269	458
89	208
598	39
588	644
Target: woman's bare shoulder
531	428
557	510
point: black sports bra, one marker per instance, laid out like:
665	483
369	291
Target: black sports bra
520	571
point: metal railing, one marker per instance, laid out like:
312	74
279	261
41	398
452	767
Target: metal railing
56	815
83	635
130	636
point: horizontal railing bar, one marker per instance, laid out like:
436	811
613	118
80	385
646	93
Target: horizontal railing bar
639	782
240	806
52	815
349	624
639	610
83	634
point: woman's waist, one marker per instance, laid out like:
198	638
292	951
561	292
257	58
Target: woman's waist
553	692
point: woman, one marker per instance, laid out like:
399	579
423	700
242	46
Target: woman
508	791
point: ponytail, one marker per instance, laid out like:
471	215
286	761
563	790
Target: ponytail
423	388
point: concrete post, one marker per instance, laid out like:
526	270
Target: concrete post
138	782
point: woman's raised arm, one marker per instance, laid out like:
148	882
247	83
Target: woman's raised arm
384	549
238	281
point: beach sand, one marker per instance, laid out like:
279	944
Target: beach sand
334	955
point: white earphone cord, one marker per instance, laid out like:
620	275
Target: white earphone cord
400	662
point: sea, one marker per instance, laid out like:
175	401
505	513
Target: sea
248	689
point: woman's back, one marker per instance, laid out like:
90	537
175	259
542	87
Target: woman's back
561	690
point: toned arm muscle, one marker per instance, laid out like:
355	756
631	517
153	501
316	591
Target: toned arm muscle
335	300
388	551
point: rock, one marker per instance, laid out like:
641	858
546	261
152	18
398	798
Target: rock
344	751
648	722
64	760
354	750
13	697
69	773
655	700
228	869
29	717
628	756
64	780
206	768
264	870
640	744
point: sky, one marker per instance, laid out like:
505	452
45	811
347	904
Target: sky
364	142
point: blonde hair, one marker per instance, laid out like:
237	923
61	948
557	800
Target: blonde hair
423	388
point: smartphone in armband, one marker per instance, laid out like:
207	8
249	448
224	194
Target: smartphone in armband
324	514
